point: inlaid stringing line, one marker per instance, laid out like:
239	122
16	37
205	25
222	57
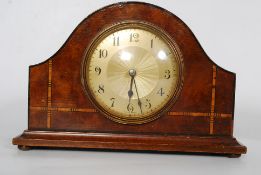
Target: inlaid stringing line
91	110
200	114
62	109
49	96
213	96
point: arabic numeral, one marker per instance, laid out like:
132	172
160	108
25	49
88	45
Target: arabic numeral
98	70
116	41
130	108
167	74
103	53
134	37
148	104
112	102
101	89
161	92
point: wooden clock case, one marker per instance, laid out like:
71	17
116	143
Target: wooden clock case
60	114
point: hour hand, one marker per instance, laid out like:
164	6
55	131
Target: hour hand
130	92
132	73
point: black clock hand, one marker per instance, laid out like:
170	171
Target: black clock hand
132	73
130	92
139	102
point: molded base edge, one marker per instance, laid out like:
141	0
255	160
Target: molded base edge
223	145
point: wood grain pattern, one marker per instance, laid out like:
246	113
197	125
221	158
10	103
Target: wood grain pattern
204	109
217	144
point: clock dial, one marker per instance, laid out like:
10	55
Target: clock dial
132	73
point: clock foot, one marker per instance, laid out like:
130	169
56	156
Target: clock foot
233	155
24	148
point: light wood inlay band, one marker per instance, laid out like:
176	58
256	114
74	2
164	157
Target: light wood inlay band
49	96
200	114
213	96
62	109
91	110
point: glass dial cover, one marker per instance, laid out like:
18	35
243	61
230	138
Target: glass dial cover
132	72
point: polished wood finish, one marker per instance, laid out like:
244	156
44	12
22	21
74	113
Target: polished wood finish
140	142
60	114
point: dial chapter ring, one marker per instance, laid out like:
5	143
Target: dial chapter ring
133	25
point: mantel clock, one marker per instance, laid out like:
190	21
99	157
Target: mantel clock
131	76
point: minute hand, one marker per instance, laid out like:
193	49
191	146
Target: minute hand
139	102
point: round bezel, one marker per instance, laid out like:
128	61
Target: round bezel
132	25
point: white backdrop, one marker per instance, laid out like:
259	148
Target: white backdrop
32	31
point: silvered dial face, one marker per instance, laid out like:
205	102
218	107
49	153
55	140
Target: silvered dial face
131	74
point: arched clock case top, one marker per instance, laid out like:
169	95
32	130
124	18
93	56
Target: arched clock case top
198	118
